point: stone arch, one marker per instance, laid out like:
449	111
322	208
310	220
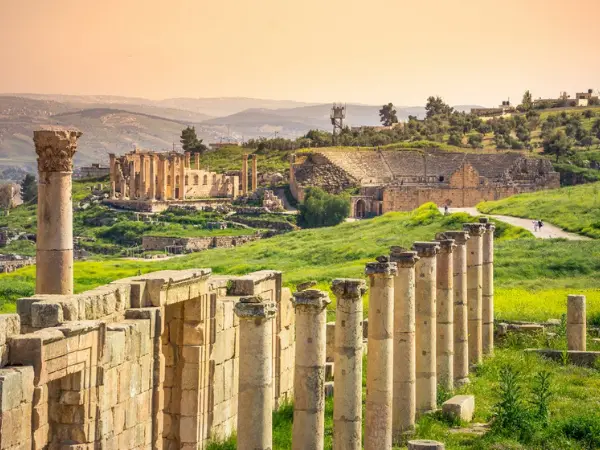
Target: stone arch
205	180
360	208
196	180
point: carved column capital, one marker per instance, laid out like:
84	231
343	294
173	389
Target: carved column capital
55	149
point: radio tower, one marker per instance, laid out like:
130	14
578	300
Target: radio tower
338	114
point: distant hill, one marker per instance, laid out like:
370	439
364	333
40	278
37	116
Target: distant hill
116	123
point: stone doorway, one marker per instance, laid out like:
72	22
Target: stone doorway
360	209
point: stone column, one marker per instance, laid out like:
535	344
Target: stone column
254	174
132	179
123	189
181	179
576	323
347	395
54	254
163	169
461	323
474	282
404	401
173	160
487	287
152	184
380	358
197	156
255	391
143	178
245	175
113	176
188	160
309	377
425	333
445	313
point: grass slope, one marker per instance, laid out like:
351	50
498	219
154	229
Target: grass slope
575	209
532	277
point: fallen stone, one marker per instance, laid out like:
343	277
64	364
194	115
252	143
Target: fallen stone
477	429
425	444
460	407
578	358
306	285
553	322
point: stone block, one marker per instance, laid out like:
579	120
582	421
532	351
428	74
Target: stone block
461	407
11	392
46	314
10	325
425	444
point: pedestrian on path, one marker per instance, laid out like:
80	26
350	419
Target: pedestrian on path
535	225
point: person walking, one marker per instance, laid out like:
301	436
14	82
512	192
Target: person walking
540	225
535	225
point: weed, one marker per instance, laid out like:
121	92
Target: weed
541	395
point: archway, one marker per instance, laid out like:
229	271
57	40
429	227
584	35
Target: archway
360	209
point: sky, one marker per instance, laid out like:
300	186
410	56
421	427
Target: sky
366	51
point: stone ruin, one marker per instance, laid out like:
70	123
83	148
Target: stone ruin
172	359
271	201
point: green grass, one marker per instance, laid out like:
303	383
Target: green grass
176	230
575	208
532	276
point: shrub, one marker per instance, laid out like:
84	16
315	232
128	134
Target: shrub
321	209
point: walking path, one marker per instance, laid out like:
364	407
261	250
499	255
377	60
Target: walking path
548	231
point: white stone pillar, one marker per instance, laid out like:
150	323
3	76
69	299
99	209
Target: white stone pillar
445	313
404	394
309	377
152	181
181	179
576	323
113	176
197	157
173	160
347	395
474	284
54	254
245	175
254	173
132	179
380	358
255	392
143	178
461	322
425	298
487	288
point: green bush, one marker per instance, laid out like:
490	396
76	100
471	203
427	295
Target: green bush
321	209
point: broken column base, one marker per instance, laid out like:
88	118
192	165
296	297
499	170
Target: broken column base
425	444
576	357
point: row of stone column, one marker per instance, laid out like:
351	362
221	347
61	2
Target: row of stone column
427	323
254	174
149	174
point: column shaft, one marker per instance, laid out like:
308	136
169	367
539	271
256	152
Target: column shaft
197	156
181	179
474	284
132	178
347	395
576	323
380	358
445	314
143	178
404	394
425	298
461	323
487	288
254	174
173	177
309	376
255	392
245	175
54	247
152	180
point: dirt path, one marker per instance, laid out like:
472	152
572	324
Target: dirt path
548	231
289	208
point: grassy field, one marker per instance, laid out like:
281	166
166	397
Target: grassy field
575	208
533	277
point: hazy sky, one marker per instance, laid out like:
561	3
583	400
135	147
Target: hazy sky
369	51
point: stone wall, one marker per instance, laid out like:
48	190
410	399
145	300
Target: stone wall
144	362
196	244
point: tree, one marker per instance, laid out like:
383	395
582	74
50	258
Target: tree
29	189
523	134
387	115
596	128
455	139
190	142
475	140
527	102
436	107
557	144
321	209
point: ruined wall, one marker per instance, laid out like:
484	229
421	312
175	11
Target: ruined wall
200	183
196	244
144	362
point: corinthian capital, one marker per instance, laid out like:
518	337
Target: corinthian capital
55	149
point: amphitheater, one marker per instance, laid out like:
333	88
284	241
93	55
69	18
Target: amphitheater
401	180
175	359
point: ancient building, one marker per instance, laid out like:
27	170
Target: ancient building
401	180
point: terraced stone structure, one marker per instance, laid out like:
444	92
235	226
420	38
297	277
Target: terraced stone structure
403	179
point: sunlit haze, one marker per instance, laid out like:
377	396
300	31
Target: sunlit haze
467	51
